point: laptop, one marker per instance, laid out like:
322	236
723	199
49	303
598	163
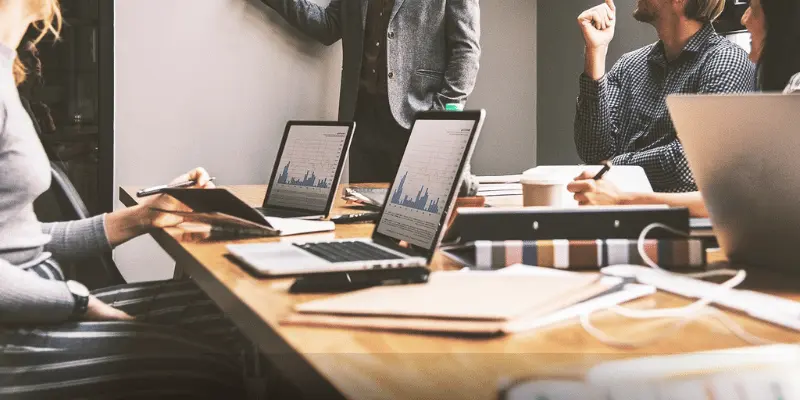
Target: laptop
308	169
412	219
744	151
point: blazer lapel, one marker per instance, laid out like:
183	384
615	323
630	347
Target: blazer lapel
397	5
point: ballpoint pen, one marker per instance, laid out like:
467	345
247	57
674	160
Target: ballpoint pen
158	189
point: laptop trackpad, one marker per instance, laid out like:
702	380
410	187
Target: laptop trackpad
275	257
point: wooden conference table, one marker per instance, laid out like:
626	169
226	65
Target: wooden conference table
353	364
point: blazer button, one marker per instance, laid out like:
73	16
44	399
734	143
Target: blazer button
391	75
391	35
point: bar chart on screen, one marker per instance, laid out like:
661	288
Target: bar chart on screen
307	168
425	179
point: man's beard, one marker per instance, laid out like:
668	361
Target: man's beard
642	14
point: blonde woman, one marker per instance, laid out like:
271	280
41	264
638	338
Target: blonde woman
57	340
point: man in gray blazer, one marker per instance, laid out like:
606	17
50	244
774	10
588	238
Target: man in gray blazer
400	57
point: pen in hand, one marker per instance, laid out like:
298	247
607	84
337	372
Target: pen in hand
159	189
606	168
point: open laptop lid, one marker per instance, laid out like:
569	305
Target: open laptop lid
743	151
426	186
309	166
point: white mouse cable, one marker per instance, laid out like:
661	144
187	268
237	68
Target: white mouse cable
687	313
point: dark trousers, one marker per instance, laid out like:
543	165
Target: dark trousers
379	141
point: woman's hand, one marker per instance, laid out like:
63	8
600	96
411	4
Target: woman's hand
165	202
99	311
596	192
126	224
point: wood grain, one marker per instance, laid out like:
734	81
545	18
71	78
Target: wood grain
378	365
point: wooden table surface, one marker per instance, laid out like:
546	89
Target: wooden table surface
380	365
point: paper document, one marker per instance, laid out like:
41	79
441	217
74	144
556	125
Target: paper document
753	373
628	178
290	226
369	197
499	179
501	193
501	187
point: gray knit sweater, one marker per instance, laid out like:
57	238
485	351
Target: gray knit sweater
24	242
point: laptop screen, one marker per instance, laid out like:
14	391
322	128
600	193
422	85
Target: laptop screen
424	183
308	166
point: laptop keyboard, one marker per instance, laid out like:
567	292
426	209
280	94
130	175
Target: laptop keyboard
347	251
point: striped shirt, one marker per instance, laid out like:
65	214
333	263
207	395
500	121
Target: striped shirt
623	117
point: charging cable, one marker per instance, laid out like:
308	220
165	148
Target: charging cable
686	314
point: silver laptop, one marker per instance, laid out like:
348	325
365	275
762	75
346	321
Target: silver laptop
744	151
413	217
308	169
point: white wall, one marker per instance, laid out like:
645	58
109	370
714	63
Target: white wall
506	87
211	83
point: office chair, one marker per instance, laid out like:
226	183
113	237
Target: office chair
63	203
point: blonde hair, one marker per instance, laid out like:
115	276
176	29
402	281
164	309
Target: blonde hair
50	21
704	10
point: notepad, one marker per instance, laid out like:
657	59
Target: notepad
452	302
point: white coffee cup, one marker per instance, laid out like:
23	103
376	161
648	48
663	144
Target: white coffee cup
546	191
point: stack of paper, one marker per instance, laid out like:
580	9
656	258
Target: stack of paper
502	185
372	198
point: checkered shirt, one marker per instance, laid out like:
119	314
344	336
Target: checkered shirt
794	85
623	117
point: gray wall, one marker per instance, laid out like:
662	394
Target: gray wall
560	60
506	87
211	83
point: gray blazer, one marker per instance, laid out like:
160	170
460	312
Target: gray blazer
433	49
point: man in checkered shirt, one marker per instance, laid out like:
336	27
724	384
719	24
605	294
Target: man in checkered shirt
622	116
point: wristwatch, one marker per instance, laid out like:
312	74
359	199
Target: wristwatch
81	295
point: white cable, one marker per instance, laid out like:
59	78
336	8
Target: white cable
686	314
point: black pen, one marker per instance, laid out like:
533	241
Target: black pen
158	189
355	218
606	168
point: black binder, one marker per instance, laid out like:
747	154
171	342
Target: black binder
584	223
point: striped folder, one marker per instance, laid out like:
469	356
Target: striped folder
580	254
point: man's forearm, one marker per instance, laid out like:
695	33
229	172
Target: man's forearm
321	23
595	62
692	200
666	167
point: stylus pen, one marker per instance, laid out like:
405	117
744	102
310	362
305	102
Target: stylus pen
606	168
158	189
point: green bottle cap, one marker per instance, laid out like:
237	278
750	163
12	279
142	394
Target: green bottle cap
454	107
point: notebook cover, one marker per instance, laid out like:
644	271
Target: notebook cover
455	295
482	327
